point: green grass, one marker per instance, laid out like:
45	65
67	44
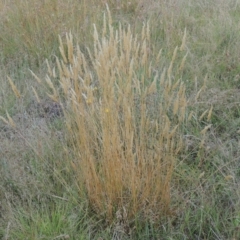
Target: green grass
42	195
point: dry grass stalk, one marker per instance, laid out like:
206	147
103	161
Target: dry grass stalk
36	94
124	120
14	88
9	121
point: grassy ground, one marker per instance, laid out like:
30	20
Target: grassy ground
96	155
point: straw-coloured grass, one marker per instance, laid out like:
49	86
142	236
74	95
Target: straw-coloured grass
112	144
123	118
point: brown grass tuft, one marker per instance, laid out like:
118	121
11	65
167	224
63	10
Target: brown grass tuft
124	119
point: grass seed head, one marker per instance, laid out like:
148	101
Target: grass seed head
14	88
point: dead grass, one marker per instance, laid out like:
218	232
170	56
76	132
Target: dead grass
115	108
125	159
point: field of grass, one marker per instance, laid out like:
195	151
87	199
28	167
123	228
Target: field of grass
119	119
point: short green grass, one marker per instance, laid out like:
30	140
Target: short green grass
40	197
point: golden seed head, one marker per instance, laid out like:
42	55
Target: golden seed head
14	88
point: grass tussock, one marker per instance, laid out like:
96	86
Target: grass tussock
124	119
138	134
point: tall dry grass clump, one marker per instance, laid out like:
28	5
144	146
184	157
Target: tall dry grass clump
123	118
